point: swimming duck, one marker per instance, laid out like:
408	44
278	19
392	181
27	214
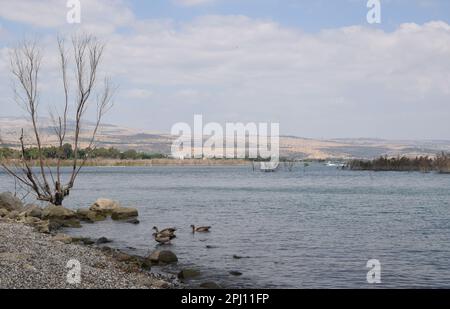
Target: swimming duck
165	232
200	229
163	240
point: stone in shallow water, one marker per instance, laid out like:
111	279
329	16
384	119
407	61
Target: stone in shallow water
104	206
238	257
235	273
164	257
124	213
89	215
188	273
103	240
13	214
132	221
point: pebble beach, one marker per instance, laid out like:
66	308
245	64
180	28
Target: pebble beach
33	260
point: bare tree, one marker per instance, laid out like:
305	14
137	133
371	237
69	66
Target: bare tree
87	53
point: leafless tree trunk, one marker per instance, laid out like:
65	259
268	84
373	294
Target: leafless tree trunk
87	53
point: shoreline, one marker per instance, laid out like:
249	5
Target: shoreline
142	163
33	260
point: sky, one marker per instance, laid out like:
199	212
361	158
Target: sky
318	68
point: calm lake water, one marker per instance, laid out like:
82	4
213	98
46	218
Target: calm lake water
314	227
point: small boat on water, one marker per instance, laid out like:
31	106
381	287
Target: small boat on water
334	164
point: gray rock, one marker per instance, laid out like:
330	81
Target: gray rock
107	250
235	273
104	206
3	213
124	213
162	257
102	240
9	202
122	256
30	220
160	284
60	217
132	221
238	257
31	210
58	212
43	226
88	215
13	215
83	240
188	273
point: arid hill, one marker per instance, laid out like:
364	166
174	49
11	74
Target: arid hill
290	146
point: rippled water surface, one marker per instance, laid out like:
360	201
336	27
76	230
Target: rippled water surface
312	227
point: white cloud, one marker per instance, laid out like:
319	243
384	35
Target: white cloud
193	2
97	15
139	94
352	81
236	68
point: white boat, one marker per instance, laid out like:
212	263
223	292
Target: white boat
334	164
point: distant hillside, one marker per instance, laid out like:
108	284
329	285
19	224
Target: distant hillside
290	146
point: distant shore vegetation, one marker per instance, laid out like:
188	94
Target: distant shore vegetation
67	153
440	164
103	157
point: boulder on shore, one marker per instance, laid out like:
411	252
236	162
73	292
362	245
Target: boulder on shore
60	217
13	215
9	202
29	220
102	240
104	206
3	213
162	257
88	215
124	213
83	240
42	226
31	210
188	273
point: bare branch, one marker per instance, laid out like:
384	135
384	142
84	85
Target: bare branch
87	52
